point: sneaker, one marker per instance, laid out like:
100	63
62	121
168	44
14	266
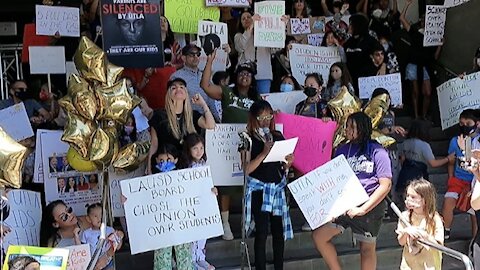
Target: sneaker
205	265
227	232
446	234
306	227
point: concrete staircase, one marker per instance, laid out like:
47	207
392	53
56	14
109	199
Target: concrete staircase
300	252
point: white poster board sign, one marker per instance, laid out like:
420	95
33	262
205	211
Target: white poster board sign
115	190
62	182
391	82
285	102
78	257
23	219
457	95
52	19
227	3
47	59
306	59
219	29
270	30
173	208
14	120
454	3
435	18
38	167
328	192
300	26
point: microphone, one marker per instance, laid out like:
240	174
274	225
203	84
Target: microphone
267	134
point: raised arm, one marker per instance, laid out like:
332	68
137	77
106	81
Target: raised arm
403	18
212	90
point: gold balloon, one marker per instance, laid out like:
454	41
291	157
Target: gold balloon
104	146
376	109
82	96
339	137
382	139
131	156
90	61
78	132
113	73
67	104
12	157
343	105
115	102
78	162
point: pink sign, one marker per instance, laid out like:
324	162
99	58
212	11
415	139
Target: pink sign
315	139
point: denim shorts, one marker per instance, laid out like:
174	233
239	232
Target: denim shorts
411	73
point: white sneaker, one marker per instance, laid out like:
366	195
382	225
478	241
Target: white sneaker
205	265
197	266
227	232
306	227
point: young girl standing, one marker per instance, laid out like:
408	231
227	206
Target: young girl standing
194	154
337	78
426	224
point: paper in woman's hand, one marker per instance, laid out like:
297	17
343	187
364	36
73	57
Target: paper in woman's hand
280	150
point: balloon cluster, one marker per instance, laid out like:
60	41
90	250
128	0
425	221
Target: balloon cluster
345	104
97	102
12	157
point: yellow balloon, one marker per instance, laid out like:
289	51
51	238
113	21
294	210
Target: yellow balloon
12	157
67	104
377	108
104	146
78	132
82	97
131	156
90	61
113	74
382	139
78	162
115	102
343	105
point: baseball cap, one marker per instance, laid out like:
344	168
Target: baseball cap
189	48
174	80
248	66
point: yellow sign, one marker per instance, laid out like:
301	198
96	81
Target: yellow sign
184	15
45	258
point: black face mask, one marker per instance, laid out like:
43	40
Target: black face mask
310	91
466	130
22	95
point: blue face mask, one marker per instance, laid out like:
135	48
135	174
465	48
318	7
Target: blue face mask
285	87
166	166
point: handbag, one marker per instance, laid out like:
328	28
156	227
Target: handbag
463	202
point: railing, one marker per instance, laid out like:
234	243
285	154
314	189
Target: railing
450	252
10	66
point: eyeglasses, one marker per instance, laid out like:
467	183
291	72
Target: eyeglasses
192	54
265	117
64	216
245	74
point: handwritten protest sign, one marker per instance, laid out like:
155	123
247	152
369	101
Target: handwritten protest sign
434	25
24	218
270	30
205	41
48	258
173	208
79	257
315	39
328	192
310	25
115	192
64	20
456	95
184	15
285	102
47	60
306	59
391	82
227	3
315	139
454	3
14	120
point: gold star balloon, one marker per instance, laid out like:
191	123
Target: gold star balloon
78	132
342	106
113	73
382	139
82	97
90	61
67	104
377	108
131	156
105	146
12	157
115	102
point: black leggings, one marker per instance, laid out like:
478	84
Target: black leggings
261	233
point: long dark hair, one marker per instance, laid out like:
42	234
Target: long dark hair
359	24
255	110
346	79
48	233
240	27
169	38
364	131
190	141
324	40
304	11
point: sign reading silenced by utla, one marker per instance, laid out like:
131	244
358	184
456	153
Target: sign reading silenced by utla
328	192
173	208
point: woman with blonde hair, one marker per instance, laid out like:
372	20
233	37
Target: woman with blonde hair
171	125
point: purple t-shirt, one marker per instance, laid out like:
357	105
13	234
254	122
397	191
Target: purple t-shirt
368	170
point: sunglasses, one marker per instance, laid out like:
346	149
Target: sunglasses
265	117
194	54
64	216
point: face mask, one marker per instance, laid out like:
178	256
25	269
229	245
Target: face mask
412	204
466	130
128	129
385	47
22	95
166	166
43	96
310	91
285	87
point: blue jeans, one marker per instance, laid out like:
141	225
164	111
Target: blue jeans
263	86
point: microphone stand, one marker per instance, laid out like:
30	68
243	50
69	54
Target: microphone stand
244	148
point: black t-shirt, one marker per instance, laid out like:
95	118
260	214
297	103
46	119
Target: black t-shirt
159	122
419	54
358	53
271	172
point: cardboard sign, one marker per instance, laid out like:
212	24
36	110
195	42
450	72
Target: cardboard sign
315	139
79	257
457	95
328	192
48	258
14	121
391	82
227	3
47	60
270	30
173	208
115	191
435	18
52	19
285	102
184	15
306	59
205	41
23	218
